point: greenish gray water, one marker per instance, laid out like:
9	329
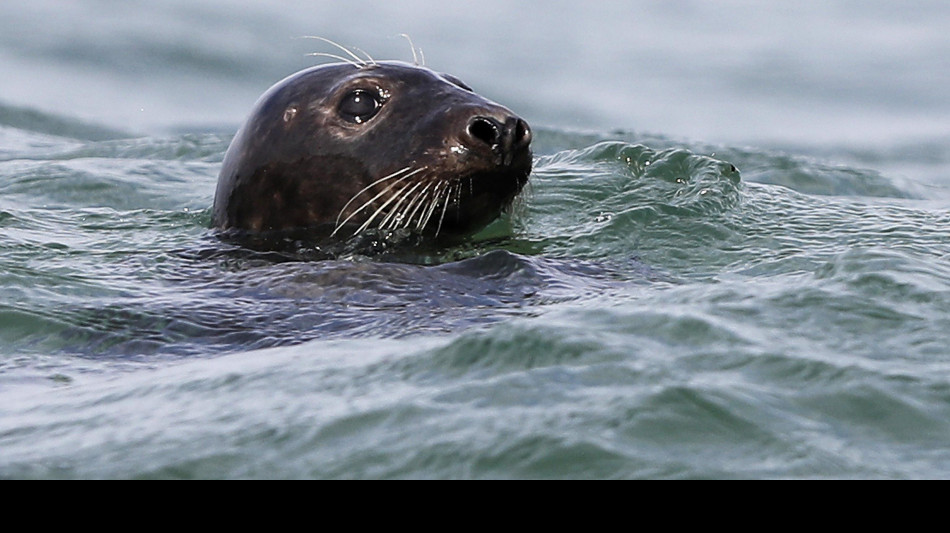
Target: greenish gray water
654	307
649	315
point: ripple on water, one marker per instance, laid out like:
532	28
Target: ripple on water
644	314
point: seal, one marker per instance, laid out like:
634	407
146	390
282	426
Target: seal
353	147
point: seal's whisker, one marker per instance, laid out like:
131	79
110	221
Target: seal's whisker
394	215
373	199
396	195
391	214
424	205
399	220
427	208
422	57
445	207
339	58
413	206
420	198
368	203
436	193
371	60
345	50
370	220
368	187
415	57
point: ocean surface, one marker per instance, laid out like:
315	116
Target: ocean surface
732	259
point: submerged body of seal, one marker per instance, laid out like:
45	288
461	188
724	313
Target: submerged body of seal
346	148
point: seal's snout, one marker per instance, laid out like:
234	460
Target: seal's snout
504	139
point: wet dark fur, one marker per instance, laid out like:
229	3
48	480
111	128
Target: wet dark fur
297	163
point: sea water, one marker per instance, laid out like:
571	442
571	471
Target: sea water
732	260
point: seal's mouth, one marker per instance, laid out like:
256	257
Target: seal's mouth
431	201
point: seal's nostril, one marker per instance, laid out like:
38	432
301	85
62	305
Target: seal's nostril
485	130
522	133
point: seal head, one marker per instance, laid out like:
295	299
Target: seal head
385	146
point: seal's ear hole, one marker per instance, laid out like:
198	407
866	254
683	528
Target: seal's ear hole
455	81
359	106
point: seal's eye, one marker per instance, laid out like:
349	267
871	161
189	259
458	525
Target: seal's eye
359	106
